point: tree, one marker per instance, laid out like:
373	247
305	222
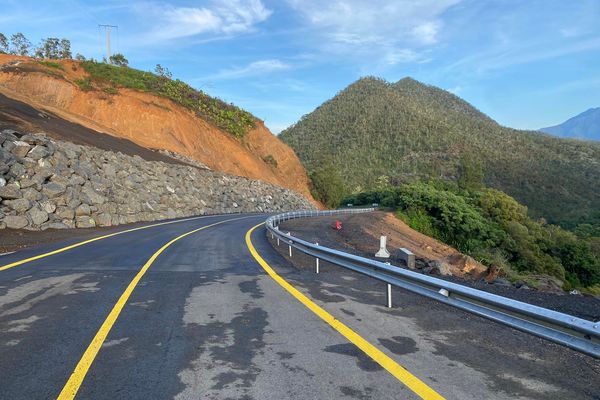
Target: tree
19	44
64	49
3	44
79	57
470	173
119	60
328	186
48	48
163	71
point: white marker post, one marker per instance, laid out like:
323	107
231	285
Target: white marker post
389	295
290	245
383	253
317	261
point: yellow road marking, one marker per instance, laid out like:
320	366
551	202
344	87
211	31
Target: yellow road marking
404	376
76	379
53	252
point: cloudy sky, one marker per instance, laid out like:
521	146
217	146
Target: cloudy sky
527	63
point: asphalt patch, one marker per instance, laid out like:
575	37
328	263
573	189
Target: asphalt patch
399	345
363	361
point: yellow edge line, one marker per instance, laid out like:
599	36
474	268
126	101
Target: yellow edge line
76	379
404	376
53	252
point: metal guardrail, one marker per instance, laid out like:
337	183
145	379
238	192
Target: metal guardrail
576	333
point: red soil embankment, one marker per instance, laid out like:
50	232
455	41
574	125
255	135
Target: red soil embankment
151	121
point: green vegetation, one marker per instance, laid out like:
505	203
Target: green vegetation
269	159
51	64
109	78
3	44
111	90
225	116
119	60
493	228
53	49
84	84
407	132
327	185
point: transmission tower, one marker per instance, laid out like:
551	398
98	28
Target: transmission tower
108	28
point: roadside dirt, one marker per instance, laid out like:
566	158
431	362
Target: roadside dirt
150	121
20	238
360	235
361	232
24	118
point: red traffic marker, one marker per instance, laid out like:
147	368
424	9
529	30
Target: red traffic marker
338	225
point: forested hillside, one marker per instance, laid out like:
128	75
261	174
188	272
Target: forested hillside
376	132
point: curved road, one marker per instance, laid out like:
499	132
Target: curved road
184	310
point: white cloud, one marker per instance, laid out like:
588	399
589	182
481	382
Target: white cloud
526	53
221	17
386	31
426	33
253	69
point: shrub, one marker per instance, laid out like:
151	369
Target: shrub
269	159
111	90
494	228
327	186
223	115
84	84
51	64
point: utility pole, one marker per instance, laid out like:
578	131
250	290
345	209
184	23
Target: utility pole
108	27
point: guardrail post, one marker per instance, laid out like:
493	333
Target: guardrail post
317	261
389	295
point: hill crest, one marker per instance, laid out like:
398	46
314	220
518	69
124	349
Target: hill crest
66	89
407	131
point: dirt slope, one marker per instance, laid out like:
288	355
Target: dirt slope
150	121
22	117
360	233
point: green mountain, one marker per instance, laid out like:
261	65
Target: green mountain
407	131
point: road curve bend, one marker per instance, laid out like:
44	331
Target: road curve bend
188	310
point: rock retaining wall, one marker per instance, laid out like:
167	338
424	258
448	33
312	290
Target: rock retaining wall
53	184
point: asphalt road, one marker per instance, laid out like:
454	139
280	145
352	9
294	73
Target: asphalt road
204	321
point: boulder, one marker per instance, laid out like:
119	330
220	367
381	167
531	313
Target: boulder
85	222
15	221
38	152
31	194
18	170
55	225
48	206
53	189
104	219
10	192
66	213
19	205
38	216
21	149
82	209
90	196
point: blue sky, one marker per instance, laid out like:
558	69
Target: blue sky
527	64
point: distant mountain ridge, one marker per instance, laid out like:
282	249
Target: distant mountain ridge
582	126
408	131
